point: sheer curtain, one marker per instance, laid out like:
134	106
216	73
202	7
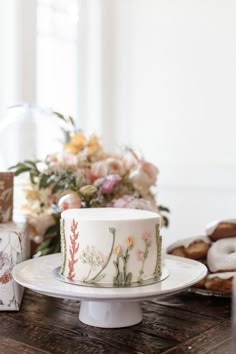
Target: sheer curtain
18	52
38	68
57	59
38	61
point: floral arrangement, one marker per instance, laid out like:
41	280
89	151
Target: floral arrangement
83	175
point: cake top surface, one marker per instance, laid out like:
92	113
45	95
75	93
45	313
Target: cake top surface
104	214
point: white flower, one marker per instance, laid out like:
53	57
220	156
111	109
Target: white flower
92	257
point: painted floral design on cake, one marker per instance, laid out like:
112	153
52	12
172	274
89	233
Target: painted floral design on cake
157	270
93	257
142	255
119	254
122	256
74	247
98	276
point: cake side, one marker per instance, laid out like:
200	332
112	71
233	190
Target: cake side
115	252
63	245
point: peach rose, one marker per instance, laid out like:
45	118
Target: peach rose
115	166
38	224
144	176
98	169
69	201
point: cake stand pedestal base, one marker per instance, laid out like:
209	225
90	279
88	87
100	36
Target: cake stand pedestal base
110	314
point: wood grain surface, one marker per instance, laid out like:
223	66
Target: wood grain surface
179	323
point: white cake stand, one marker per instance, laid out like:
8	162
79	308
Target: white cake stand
107	307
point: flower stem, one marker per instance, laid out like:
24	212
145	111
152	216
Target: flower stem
88	273
113	232
145	255
125	263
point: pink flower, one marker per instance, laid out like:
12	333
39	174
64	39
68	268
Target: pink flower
123	202
146	167
144	176
109	183
61	160
150	170
129	201
147	236
69	201
140	255
4	260
115	166
98	170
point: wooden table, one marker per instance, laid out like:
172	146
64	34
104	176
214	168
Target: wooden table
180	323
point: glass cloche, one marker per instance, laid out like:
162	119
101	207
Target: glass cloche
28	132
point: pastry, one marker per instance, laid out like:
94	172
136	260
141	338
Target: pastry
192	247
221	229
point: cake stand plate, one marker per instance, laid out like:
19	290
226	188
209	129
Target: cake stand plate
107	307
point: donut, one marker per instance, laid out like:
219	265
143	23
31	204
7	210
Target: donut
193	247
221	282
221	256
201	283
221	229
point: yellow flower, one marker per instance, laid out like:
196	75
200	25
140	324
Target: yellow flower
71	148
93	145
77	142
32	194
129	241
117	250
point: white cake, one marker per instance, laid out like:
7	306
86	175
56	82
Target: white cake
110	246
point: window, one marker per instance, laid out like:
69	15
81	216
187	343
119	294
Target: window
57	33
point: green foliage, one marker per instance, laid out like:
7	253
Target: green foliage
165	219
59	180
51	243
26	166
69	125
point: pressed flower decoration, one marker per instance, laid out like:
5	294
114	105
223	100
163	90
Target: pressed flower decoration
83	175
122	277
74	246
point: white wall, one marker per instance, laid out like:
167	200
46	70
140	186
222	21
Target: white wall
184	100
184	80
172	95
